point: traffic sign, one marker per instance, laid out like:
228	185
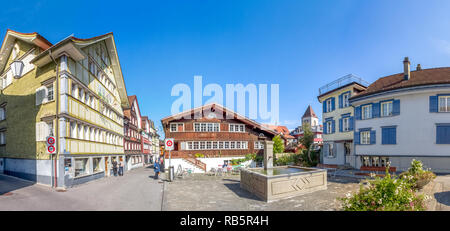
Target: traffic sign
51	143
169	143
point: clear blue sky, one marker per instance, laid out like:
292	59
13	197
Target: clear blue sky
300	45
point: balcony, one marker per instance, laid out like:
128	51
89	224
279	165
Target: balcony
350	78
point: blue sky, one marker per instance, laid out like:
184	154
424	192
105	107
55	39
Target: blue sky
300	45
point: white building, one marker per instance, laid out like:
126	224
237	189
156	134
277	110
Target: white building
402	117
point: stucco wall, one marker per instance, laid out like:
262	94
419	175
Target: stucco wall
416	127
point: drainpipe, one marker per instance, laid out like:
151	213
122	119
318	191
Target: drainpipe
57	121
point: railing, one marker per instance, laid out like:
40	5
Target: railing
196	162
350	78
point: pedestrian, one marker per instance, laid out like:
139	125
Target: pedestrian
121	165
115	167
157	169
162	164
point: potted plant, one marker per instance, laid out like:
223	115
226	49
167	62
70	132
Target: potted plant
417	176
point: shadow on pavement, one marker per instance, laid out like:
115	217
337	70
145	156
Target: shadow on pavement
343	180
443	197
9	184
236	188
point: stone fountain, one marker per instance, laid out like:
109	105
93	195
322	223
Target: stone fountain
273	183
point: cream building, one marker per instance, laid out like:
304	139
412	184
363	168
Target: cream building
338	120
72	90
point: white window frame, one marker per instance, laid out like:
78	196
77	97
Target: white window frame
329	125
390	107
365	137
345	98
446	102
328	105
176	127
236	127
331	153
50	86
366	114
346	124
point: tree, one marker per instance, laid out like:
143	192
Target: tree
278	144
307	140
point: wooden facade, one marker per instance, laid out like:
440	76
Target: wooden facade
213	134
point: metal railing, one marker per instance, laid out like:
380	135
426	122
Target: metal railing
350	78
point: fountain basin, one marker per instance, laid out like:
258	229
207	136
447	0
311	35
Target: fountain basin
283	182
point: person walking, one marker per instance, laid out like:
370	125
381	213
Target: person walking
157	169
121	165
115	167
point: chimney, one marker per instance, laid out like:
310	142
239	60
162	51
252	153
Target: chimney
418	68
406	69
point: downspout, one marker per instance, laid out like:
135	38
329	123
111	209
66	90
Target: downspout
57	118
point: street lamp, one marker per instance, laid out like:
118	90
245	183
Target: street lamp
17	68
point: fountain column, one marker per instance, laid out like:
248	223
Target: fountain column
268	154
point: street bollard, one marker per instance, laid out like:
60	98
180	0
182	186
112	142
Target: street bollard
171	173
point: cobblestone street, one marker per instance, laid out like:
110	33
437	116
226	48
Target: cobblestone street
200	192
136	190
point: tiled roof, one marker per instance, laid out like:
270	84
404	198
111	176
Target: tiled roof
309	112
422	77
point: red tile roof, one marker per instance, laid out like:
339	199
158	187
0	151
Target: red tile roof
422	77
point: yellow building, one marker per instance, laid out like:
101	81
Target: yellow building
72	90
337	118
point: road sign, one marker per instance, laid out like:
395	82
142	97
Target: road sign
169	143
51	143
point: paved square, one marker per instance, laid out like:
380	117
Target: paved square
211	193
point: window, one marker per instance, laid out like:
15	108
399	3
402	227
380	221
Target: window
258	145
345	98
365	137
346	124
329	127
386	108
214	145
73	130
328	104
232	145
331	153
174	127
50	92
2	113
226	145
206	127
208	145
81	166
2	137
444	103
388	135
348	149
202	145
236	128
443	133
96	163
366	112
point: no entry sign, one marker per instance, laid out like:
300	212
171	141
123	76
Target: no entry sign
169	143
51	143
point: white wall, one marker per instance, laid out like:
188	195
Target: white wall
416	127
210	163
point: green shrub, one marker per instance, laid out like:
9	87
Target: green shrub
315	156
199	155
288	159
416	175
384	194
237	161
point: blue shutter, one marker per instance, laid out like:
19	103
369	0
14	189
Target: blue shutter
389	135
443	134
375	110
340	101
373	137
358	113
333	104
340	125
325	128
324	106
333	126
356	138
350	123
396	107
433	103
